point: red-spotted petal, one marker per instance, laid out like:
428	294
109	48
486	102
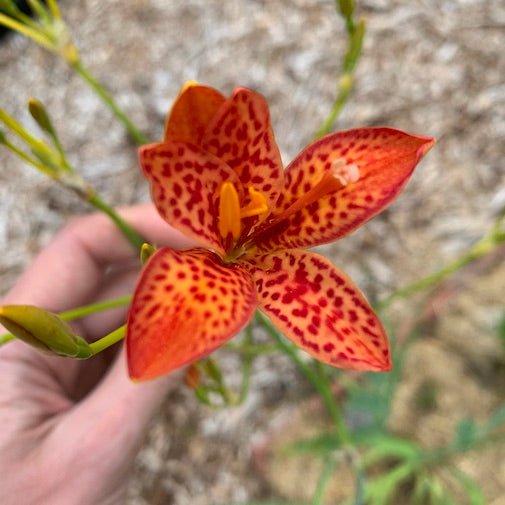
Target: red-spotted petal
240	134
191	113
185	188
185	305
383	159
320	309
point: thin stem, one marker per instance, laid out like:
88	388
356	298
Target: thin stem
135	238
355	36
25	30
95	307
109	101
31	161
40	148
53	6
14	12
110	339
6	337
495	237
342	97
318	382
322	483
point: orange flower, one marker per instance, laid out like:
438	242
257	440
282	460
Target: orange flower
218	177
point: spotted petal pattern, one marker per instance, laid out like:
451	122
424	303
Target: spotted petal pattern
185	188
191	113
385	157
320	309
241	135
186	304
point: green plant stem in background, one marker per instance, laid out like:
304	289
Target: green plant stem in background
322	483
355	36
135	238
95	307
486	244
109	101
319	382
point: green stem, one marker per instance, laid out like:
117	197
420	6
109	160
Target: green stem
39	148
342	97
495	237
32	33
322	483
110	339
109	101
6	337
355	36
135	238
39	166
95	307
319	383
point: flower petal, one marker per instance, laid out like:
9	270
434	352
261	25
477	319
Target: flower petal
385	159
191	113
185	305
241	135
185	188
320	309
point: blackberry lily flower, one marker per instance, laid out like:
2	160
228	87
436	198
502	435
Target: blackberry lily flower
218	178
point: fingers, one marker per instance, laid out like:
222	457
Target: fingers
112	420
70	269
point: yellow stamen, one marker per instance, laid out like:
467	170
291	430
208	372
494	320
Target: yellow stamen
257	206
229	211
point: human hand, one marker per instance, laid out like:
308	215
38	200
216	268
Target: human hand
70	429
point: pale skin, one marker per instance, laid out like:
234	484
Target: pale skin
69	429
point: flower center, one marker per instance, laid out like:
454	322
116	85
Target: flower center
230	212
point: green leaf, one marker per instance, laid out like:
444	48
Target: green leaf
471	488
385	447
466	434
382	489
320	444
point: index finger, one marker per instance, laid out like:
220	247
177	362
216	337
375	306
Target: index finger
70	269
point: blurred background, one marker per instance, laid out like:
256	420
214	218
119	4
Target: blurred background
431	67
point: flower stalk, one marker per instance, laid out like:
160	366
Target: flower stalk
355	35
53	162
51	32
320	383
486	244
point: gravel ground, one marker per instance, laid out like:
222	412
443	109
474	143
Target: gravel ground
433	67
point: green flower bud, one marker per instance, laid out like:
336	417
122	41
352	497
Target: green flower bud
146	252
44	330
346	7
39	113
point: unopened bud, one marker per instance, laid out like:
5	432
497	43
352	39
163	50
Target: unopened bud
346	7
146	251
44	330
39	113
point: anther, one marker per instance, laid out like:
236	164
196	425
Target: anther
344	173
